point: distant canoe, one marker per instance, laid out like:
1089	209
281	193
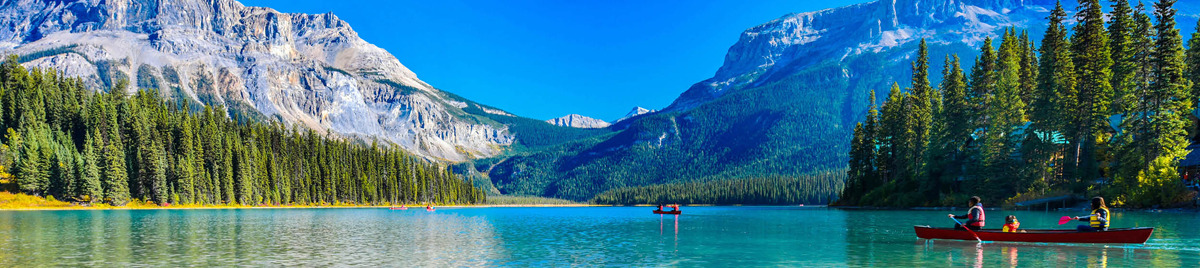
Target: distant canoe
1112	236
399	208
676	212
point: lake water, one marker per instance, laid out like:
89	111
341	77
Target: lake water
611	236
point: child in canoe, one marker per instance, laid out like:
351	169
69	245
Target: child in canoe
1011	224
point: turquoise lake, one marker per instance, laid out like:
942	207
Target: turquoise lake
609	236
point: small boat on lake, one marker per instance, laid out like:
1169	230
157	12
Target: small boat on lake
676	212
399	208
1112	236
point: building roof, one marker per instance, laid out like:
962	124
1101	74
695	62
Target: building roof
1192	158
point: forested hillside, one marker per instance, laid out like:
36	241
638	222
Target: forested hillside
745	134
65	141
1103	109
797	125
774	190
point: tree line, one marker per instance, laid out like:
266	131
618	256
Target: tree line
1101	109
68	142
771	190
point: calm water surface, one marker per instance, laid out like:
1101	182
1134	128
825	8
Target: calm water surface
613	236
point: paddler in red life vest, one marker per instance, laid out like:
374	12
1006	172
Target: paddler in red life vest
974	216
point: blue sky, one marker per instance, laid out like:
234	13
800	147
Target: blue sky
545	59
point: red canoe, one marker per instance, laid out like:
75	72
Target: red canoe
667	212
1117	236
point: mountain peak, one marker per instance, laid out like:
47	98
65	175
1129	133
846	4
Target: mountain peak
637	111
578	121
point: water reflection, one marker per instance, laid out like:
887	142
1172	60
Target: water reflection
255	237
975	254
660	225
714	236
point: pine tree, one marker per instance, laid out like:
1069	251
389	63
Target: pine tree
1120	31
116	180
951	127
1193	62
1055	91
893	143
1093	63
1005	113
983	82
155	168
921	113
870	142
1169	93
91	189
1132	143
32	167
1029	68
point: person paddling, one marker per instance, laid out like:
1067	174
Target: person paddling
975	215
1098	220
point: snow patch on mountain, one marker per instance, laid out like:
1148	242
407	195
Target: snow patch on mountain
578	121
637	111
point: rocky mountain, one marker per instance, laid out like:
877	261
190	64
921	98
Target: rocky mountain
307	69
785	100
637	111
773	50
578	121
776	49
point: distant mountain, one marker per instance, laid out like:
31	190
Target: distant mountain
637	111
784	102
304	69
578	121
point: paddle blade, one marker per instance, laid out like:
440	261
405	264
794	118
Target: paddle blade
1064	220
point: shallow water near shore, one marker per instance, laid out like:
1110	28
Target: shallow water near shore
702	236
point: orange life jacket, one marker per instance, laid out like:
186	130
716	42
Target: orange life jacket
1012	227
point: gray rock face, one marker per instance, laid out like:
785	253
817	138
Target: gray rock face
305	69
578	121
796	41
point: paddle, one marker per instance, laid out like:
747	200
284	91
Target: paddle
1064	220
968	230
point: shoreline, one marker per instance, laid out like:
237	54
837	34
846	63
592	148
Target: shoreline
286	207
187	207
